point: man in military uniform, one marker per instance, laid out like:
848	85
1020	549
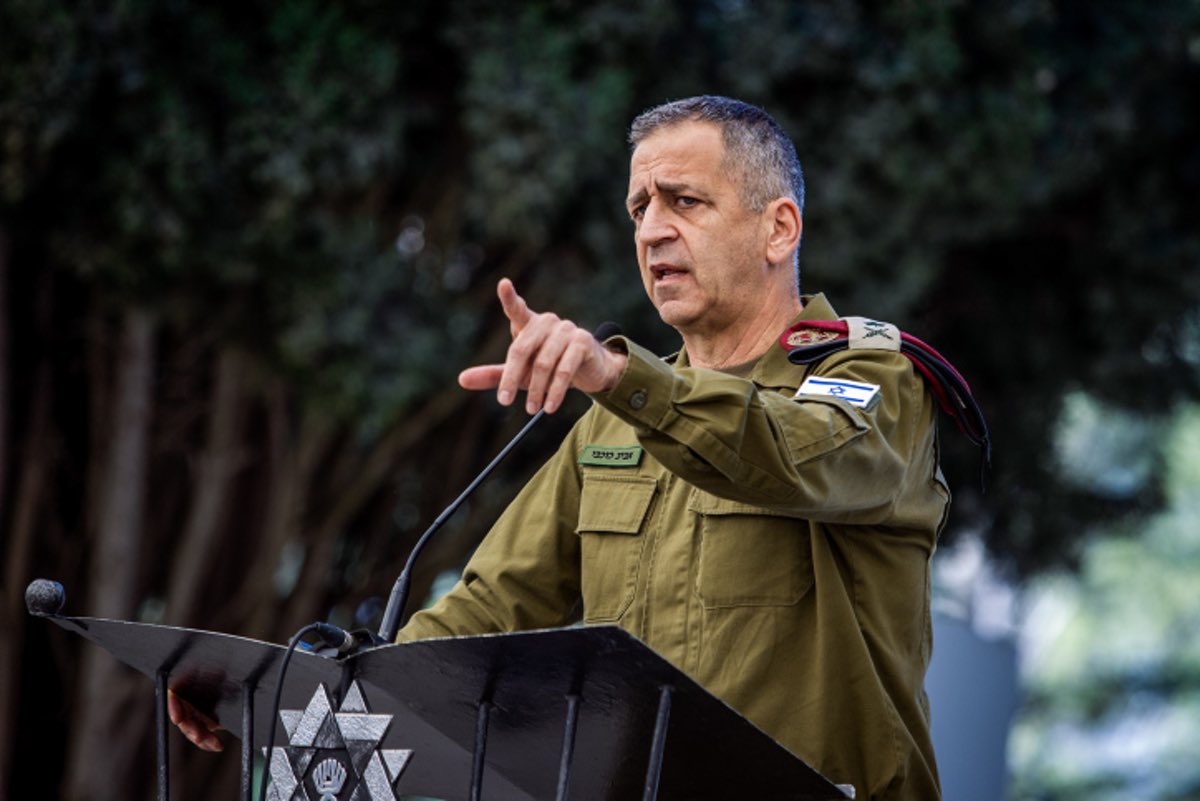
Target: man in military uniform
773	545
765	526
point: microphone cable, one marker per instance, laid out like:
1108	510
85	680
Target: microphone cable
334	637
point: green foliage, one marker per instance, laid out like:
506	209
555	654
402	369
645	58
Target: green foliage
337	187
561	110
1112	672
220	166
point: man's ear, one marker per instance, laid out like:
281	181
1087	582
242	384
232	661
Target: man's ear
785	225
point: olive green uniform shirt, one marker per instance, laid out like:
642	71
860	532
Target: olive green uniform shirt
774	548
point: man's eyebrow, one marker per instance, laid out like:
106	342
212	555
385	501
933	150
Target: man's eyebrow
665	187
674	187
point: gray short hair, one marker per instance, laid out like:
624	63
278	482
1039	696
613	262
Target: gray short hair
756	147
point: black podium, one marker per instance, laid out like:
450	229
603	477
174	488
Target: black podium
577	713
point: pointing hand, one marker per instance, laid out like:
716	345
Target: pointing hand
548	355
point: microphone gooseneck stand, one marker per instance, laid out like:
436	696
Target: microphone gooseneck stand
343	642
390	624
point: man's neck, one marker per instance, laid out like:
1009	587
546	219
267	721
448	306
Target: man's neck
741	343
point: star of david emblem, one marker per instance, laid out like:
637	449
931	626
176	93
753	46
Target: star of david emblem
335	756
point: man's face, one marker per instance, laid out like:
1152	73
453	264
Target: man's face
702	253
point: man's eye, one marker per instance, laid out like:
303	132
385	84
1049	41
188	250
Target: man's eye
686	202
637	212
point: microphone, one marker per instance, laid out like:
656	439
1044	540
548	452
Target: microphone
399	597
337	638
606	330
45	598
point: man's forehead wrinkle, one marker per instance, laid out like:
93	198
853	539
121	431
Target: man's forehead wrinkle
648	181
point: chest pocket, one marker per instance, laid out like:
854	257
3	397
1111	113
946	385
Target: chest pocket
749	556
612	511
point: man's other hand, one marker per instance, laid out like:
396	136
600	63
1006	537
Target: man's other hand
548	356
194	724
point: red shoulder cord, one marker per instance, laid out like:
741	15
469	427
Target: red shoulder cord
949	387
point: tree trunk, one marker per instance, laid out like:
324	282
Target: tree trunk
306	604
18	560
5	400
18	546
293	457
105	744
199	547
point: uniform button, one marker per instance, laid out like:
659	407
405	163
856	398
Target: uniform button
637	400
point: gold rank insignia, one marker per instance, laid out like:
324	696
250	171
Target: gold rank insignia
804	337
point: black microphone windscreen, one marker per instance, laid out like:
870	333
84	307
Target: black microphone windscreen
44	598
605	330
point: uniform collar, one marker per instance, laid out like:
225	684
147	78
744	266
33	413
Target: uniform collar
773	368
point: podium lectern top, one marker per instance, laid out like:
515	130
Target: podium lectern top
432	690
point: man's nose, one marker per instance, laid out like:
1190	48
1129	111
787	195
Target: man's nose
656	225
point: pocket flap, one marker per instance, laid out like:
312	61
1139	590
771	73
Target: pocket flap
703	503
614	504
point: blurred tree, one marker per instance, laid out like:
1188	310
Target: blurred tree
1112	666
244	250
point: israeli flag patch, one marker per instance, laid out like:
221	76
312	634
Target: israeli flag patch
864	396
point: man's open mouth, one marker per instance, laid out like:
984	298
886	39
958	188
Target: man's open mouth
666	272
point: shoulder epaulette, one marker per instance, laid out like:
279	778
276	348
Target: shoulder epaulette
811	341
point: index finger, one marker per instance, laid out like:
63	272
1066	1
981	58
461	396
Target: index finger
515	308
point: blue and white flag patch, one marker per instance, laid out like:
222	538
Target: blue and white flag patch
855	393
